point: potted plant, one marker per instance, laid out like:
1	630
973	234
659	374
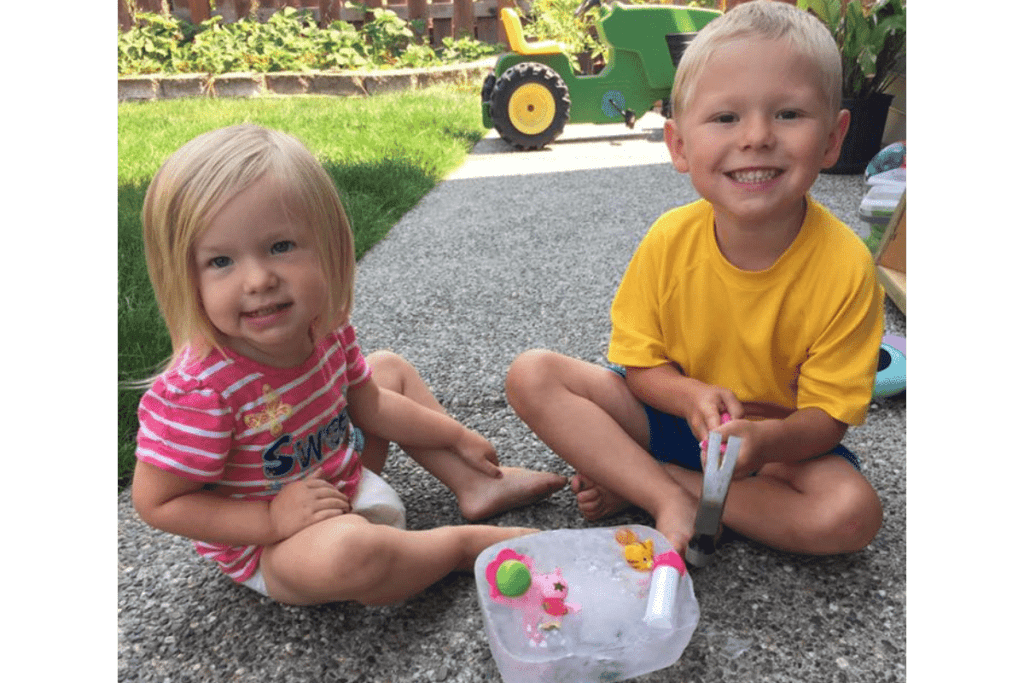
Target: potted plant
556	20
872	38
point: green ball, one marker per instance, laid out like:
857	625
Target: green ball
513	578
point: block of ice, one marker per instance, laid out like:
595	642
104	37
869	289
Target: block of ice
577	605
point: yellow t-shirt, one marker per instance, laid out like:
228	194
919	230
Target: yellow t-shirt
803	333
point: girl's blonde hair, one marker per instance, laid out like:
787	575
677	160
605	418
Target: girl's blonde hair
196	182
765	19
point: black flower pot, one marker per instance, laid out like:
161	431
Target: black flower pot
864	138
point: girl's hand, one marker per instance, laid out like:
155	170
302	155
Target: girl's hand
305	502
478	452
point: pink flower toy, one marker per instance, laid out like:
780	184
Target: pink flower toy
539	596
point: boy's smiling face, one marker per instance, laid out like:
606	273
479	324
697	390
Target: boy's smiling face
756	132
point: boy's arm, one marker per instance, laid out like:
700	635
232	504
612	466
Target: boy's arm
395	417
667	389
180	506
806	433
800	435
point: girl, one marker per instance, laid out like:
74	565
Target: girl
250	441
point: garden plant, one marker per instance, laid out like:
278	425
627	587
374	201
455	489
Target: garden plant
289	40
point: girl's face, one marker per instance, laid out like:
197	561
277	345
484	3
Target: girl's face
756	132
259	275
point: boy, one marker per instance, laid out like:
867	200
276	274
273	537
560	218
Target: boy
753	301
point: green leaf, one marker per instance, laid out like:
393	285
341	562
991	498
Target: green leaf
829	11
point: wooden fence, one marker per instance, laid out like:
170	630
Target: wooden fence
455	18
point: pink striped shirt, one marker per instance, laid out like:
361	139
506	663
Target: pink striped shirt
247	429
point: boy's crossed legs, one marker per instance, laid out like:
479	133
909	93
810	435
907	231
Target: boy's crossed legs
588	416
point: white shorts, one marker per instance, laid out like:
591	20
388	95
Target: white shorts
375	500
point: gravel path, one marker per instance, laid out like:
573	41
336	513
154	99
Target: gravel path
515	251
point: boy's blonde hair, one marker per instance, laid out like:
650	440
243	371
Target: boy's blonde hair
196	182
766	19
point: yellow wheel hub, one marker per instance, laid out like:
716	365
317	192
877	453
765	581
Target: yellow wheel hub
531	109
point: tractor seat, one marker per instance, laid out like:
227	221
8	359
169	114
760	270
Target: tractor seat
516	40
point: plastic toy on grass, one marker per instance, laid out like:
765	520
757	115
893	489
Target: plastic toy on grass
534	90
585	604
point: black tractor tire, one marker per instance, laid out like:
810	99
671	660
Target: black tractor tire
488	87
530	105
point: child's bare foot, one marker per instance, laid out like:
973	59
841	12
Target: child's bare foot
516	487
675	521
479	537
596	502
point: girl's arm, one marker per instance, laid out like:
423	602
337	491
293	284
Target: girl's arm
180	506
394	417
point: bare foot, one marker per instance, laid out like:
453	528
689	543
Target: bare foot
596	502
516	487
675	521
479	537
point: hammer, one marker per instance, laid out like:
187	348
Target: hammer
717	476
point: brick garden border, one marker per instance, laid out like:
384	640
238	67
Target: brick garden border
337	83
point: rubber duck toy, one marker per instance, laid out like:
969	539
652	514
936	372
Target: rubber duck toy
639	555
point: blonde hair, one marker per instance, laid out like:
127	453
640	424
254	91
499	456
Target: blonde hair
765	19
196	182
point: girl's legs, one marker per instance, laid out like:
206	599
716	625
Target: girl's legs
588	416
478	495
348	558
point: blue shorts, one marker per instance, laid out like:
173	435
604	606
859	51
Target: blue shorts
673	442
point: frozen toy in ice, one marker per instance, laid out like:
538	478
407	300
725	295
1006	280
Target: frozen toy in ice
638	555
538	598
665	570
585	604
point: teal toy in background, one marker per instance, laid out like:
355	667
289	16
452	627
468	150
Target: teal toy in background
892	367
888	158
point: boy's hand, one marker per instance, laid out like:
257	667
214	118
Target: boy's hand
478	452
750	458
306	502
708	404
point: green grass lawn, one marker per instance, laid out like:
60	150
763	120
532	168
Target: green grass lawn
384	153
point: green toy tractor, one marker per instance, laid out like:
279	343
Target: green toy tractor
534	90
